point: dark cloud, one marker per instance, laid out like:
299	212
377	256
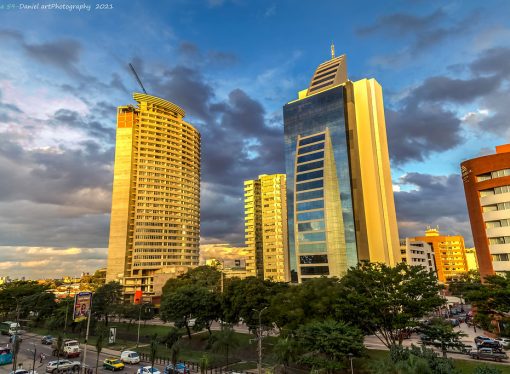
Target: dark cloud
93	127
64	54
422	32
493	61
191	55
433	200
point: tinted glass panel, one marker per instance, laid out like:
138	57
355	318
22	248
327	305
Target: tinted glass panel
309	205
310	185
311	226
307	216
312	237
312	139
310	157
310	195
310	175
310	166
314	270
313	248
313	259
310	148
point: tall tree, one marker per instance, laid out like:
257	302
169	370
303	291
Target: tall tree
224	341
204	276
327	344
106	300
99	345
385	301
285	352
442	331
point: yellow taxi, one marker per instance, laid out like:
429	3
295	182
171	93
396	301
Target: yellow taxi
113	364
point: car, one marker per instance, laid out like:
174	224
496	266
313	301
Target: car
130	357
56	366
481	338
180	368
23	371
148	370
488	354
113	364
505	342
46	340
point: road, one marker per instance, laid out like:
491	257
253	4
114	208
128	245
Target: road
26	356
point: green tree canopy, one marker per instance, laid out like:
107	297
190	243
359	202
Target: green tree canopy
326	344
385	300
106	300
204	276
442	332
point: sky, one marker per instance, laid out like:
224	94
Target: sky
232	64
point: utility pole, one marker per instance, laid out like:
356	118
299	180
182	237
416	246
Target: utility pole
87	336
259	338
67	309
33	362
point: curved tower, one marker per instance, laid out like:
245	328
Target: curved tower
155	217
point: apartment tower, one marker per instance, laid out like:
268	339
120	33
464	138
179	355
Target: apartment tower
449	253
155	217
487	188
265	204
339	190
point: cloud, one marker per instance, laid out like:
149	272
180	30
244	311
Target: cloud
45	262
426	199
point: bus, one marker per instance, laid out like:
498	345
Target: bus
9	328
5	356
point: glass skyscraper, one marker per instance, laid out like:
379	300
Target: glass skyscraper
326	219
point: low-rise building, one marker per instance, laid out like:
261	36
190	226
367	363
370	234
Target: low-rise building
417	253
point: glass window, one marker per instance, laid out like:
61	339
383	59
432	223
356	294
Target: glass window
500	240
310	157
500	206
310	185
310	166
490	208
311	226
317	194
486	192
310	205
308	216
311	148
492	224
483	177
314	270
500	257
312	139
313	259
310	175
499	173
502	189
312	247
312	237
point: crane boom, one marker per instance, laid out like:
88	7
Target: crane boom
137	78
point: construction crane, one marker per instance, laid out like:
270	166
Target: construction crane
137	78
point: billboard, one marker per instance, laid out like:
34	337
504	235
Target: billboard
82	305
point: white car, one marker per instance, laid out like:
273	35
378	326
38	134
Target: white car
23	371
505	342
56	366
130	357
148	370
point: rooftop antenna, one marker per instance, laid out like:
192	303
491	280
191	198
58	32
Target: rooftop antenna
332	51
137	78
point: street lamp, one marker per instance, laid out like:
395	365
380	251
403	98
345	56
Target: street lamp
33	362
139	320
259	338
350	355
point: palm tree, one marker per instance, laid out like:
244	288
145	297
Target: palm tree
204	363
153	349
225	340
285	352
99	346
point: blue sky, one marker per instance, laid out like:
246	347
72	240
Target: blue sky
232	65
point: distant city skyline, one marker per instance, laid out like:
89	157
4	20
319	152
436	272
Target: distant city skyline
232	65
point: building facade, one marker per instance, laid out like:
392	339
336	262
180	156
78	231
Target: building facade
416	253
472	261
155	217
339	190
449	253
265	203
487	188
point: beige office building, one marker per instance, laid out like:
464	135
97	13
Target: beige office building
155	217
266	227
416	253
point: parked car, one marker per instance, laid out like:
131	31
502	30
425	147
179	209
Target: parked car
56	366
180	368
493	344
113	364
488	354
23	371
46	340
505	342
481	338
130	357
148	370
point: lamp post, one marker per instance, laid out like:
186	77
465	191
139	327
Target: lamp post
350	355
259	338
33	361
67	309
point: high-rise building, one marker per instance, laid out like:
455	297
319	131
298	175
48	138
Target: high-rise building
449	253
487	188
339	190
472	261
416	253
265	203
155	217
